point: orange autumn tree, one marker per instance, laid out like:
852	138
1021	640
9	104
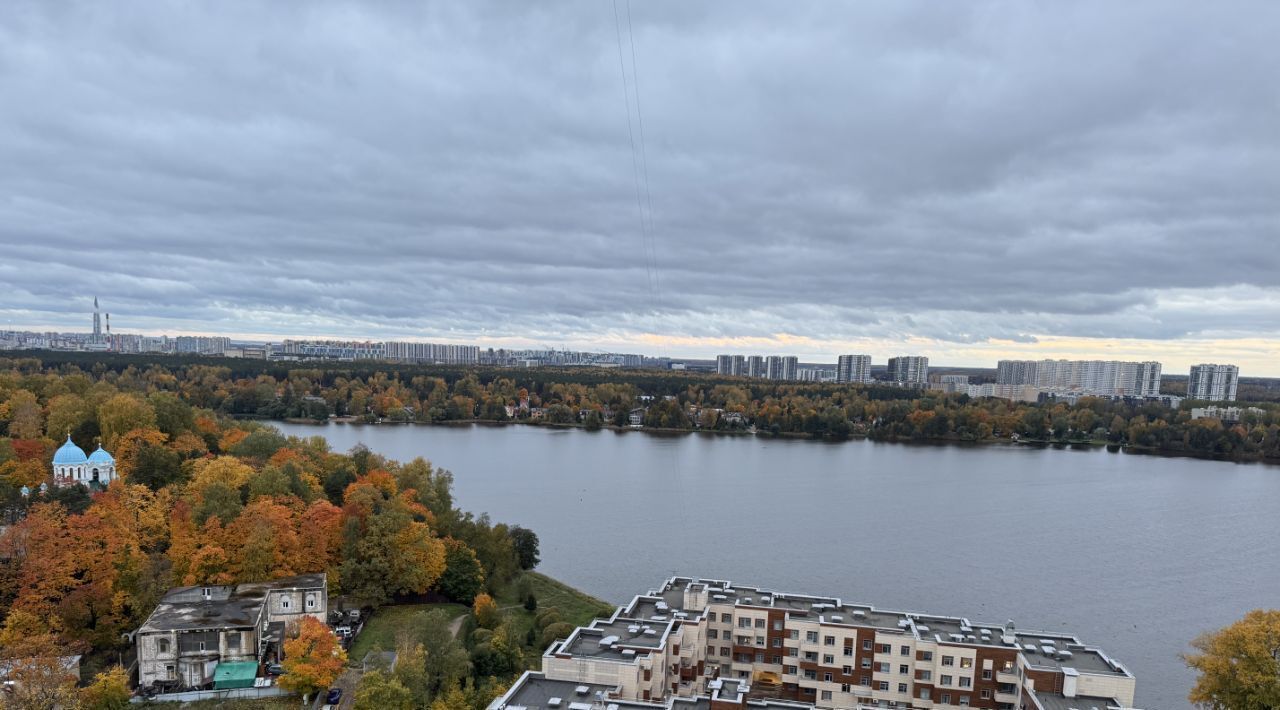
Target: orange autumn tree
396	551
313	660
265	541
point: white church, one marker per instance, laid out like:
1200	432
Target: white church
71	466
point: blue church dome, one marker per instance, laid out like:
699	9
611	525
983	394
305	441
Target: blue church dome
101	456
70	454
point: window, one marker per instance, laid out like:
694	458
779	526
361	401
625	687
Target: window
200	645
946	698
884	668
711	650
790	670
713	634
811	656
926	655
759	658
905	651
811	636
884	685
948	660
168	671
828	660
777	625
966	662
964	701
848	650
793	634
744	641
777	642
904	669
775	660
162	645
828	640
759	640
944	680
759	623
926	676
744	623
866	664
865	680
826	678
793	652
925	693
233	641
311	602
986	694
811	675
846	670
902	687
826	695
846	688
866	645
885	648
724	650
284	602
1007	667
986	675
808	691
966	682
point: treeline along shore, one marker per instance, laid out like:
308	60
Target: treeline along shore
655	400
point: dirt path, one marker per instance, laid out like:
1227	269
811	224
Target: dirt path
456	625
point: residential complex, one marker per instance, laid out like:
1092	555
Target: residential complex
698	644
195	629
781	367
853	368
909	370
1090	377
731	365
1216	383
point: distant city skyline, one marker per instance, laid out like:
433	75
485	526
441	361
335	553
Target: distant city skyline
969	181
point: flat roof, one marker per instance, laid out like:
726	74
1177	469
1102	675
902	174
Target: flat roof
1054	701
185	608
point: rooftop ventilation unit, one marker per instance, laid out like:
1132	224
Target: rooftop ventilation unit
1029	648
1047	650
922	629
837	618
628	652
902	623
582	690
554	702
766	600
650	632
719	597
633	629
1064	655
661	606
608	640
747	600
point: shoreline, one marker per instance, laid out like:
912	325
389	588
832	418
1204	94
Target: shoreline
796	436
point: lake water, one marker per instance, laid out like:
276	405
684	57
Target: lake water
1136	554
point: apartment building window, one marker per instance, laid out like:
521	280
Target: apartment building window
925	693
713	634
744	640
986	674
759	623
966	662
866	644
793	651
828	640
944	680
793	634
759	658
926	655
846	670
866	664
790	670
777	625
904	669
846	688
885	648
744	623
926	675
828	660
724	650
811	675
759	640
884	685
904	650
826	678
811	636
726	618
826	695
902	687
848	651
865	680
1007	667
964	701
985	694
966	682
777	642
776	660
884	668
711	650
945	699
948	660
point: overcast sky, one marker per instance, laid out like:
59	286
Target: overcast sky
963	180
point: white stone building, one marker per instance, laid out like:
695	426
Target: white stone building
71	466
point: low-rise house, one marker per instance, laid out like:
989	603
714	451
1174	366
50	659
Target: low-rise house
193	629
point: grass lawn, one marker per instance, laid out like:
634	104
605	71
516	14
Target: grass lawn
574	606
386	621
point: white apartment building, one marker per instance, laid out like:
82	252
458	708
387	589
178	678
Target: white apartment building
1215	383
713	645
909	370
731	365
1100	377
853	368
781	367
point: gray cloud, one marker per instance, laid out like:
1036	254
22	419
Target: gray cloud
962	173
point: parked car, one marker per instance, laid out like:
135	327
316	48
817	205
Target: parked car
343	630
275	669
354	615
334	696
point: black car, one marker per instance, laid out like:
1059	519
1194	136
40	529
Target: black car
334	696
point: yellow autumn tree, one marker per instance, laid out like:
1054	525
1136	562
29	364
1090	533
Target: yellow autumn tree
313	660
1239	665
